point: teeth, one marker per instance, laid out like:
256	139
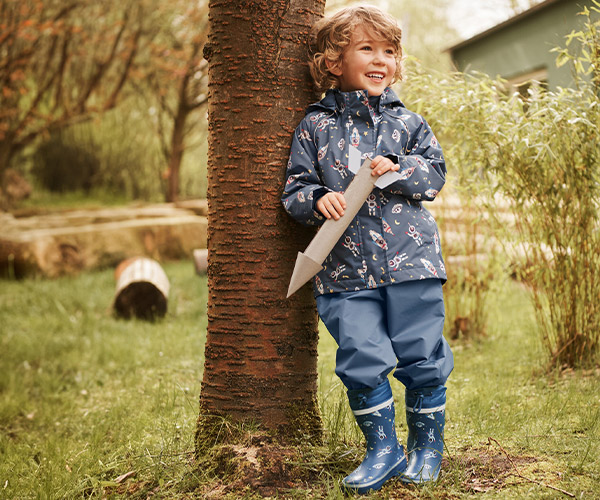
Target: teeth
378	77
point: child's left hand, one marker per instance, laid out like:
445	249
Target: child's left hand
381	165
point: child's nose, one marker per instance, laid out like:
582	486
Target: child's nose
378	58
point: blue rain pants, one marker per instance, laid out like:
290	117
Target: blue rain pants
397	326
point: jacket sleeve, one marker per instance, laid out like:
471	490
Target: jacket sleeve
303	185
422	168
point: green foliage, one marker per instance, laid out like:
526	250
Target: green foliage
539	159
128	155
112	154
61	63
470	287
69	74
585	60
63	167
117	153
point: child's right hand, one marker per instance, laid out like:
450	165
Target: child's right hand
332	205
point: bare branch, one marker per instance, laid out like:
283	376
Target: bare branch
111	102
164	105
102	66
164	146
41	91
44	54
61	73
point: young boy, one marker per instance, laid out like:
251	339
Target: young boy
380	291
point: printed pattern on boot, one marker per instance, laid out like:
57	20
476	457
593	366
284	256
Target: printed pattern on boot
384	456
425	416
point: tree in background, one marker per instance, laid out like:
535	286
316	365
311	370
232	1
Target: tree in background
174	80
61	63
261	349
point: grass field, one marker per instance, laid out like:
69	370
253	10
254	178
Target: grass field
93	406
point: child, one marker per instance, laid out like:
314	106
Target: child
380	291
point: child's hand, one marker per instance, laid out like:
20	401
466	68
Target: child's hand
381	165
332	205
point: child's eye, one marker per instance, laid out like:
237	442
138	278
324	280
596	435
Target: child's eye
366	47
390	51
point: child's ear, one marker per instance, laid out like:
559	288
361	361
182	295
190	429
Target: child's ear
334	67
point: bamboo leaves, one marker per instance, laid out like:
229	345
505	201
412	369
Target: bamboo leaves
539	156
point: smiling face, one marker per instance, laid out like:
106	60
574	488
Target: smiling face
368	63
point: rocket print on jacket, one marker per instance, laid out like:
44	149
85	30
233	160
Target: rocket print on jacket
393	238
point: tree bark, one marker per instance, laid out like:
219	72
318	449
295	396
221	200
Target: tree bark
261	349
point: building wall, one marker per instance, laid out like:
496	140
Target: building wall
522	48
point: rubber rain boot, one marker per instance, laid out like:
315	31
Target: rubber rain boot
375	415
425	416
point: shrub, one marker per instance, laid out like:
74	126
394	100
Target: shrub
60	166
472	267
539	158
118	153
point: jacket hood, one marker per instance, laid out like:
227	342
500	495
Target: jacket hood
335	99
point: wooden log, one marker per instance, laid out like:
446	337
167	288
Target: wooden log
54	250
142	289
199	207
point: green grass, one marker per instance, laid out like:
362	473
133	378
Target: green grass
86	398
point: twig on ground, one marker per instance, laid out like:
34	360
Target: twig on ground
518	474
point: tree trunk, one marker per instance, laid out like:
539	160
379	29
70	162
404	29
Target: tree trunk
7	153
261	349
177	150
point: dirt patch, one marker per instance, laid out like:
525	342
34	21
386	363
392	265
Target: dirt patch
261	466
485	469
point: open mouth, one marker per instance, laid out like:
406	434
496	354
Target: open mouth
378	77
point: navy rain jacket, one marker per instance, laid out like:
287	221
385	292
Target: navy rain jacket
393	238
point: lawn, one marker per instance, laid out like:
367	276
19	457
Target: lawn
94	406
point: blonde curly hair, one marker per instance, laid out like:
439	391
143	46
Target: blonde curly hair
330	36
